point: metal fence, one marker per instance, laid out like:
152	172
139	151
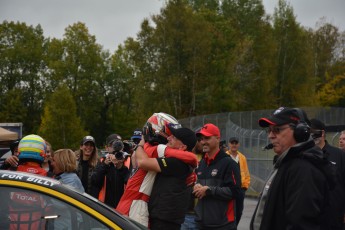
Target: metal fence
244	125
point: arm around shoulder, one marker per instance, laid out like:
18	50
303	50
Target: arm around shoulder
144	162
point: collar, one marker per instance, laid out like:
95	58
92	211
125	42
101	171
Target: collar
236	158
208	160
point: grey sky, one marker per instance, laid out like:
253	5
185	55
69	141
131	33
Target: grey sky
112	21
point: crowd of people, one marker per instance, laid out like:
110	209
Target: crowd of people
171	177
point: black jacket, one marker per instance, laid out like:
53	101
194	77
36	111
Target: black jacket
217	208
169	198
337	196
115	182
298	197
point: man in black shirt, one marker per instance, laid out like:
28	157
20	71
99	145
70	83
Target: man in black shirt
337	156
169	198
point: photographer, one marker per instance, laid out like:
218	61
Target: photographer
109	178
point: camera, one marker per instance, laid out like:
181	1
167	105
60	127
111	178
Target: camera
119	155
118	147
128	146
122	149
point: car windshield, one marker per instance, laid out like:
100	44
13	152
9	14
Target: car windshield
34	210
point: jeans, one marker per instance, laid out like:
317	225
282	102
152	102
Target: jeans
189	223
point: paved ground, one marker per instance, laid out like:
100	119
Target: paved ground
249	207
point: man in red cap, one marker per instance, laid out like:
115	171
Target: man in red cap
218	183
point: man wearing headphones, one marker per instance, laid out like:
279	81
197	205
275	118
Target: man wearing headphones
296	193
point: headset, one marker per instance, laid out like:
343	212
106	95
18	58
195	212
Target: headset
302	129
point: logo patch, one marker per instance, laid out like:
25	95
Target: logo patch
214	172
164	162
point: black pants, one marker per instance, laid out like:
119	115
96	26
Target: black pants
239	206
157	224
228	226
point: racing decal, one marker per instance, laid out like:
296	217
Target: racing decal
164	162
29	179
214	172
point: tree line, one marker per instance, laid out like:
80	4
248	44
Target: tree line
195	57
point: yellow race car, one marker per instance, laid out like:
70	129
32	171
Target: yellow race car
29	201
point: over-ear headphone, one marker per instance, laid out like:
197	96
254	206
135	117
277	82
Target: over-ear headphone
302	129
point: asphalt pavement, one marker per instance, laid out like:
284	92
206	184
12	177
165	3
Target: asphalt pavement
248	210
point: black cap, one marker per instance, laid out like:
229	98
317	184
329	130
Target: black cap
282	116
233	139
89	139
186	136
111	138
317	124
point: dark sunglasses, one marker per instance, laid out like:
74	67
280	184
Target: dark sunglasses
276	129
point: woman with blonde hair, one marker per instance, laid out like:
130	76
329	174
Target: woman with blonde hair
64	168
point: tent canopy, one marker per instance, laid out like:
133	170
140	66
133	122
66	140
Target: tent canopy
6	135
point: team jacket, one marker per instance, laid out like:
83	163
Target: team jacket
170	198
222	176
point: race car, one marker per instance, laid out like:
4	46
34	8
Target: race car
29	201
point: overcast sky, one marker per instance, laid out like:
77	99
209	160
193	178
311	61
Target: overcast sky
112	21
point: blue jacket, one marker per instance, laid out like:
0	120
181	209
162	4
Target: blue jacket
72	180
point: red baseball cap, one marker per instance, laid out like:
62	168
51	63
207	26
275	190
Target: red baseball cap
209	130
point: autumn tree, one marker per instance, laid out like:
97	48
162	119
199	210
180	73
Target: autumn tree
333	92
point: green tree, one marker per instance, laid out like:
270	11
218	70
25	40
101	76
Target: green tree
60	124
295	79
325	43
22	67
255	60
78	61
179	63
12	109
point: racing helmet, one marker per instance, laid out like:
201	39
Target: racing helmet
156	130
32	148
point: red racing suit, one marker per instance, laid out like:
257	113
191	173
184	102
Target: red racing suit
139	186
27	208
